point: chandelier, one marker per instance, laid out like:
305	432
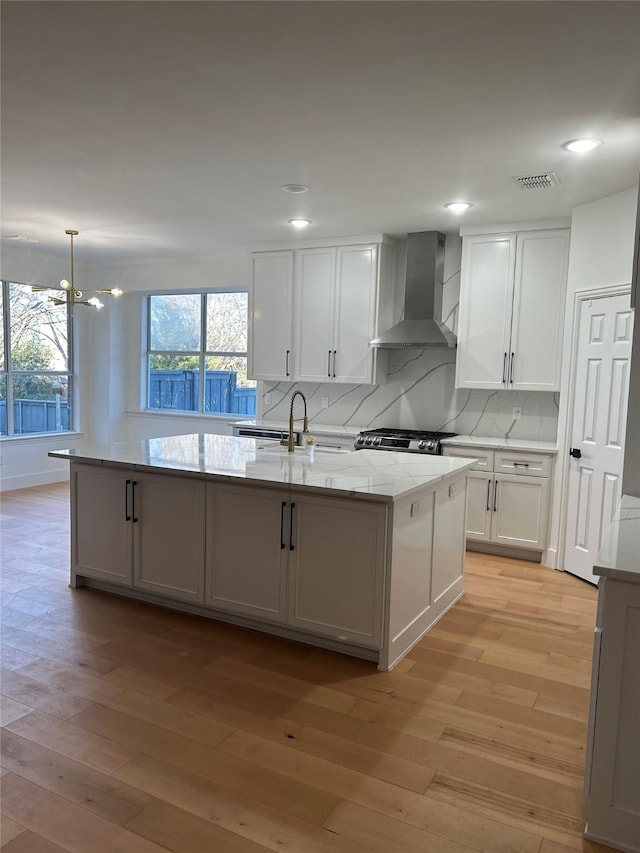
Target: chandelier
75	296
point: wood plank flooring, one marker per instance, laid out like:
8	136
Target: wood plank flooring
131	728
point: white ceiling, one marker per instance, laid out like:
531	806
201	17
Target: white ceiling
156	128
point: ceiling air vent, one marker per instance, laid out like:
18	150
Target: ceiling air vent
538	182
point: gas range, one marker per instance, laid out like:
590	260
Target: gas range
402	440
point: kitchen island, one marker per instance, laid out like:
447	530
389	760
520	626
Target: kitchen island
357	552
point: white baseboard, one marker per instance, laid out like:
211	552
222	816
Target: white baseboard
41	478
550	558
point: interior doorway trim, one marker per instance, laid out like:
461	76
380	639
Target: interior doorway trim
580	296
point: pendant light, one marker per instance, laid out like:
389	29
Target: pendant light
75	296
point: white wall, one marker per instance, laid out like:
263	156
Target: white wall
631	476
601	254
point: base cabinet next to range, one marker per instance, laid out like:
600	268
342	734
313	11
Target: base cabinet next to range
508	501
145	531
313	563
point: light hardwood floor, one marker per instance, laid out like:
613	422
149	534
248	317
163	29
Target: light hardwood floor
127	727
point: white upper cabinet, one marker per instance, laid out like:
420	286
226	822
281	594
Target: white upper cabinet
270	346
313	312
512	298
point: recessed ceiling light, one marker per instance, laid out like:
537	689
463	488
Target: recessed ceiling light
458	206
581	145
296	189
299	223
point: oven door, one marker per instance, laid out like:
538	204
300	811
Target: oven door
265	434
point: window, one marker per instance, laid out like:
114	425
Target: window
35	363
197	353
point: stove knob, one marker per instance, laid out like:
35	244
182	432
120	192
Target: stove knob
431	444
368	440
376	441
422	445
360	439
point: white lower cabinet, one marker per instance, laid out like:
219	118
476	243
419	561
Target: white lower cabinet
612	777
313	563
247	551
144	531
336	568
508	509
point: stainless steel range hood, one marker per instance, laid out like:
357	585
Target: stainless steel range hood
421	325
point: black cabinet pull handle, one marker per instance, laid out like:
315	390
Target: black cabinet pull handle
291	528
488	495
282	506
575	452
334	364
329	364
127	517
495	498
504	368
286	369
133	501
511	369
520	464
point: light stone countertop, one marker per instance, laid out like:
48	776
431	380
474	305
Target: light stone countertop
502	443
619	556
363	474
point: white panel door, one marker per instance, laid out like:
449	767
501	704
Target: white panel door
247	550
269	353
336	568
538	310
313	298
486	301
479	497
101	523
519	507
355	313
597	434
168	536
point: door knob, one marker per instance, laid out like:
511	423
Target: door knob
575	452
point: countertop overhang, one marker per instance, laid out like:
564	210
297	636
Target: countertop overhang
364	474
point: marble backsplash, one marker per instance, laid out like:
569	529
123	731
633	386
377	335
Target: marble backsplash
420	394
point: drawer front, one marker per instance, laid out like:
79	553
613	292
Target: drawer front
522	462
484	457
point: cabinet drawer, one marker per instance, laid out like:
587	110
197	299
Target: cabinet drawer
516	462
484	457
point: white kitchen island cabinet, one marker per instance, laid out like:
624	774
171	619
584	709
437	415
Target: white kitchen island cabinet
145	531
512	294
357	552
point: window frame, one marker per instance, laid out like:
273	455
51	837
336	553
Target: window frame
9	375
202	354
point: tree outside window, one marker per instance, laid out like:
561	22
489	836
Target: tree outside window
197	353
35	363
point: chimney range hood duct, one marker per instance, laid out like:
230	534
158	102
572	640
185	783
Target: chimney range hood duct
424	279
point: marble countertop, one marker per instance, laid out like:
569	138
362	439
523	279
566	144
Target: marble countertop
314	428
364	474
619	556
502	443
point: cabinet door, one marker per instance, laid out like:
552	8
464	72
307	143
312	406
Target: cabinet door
479	506
484	325
247	550
520	508
100	522
538	310
355	314
270	316
336	568
168	533
315	273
